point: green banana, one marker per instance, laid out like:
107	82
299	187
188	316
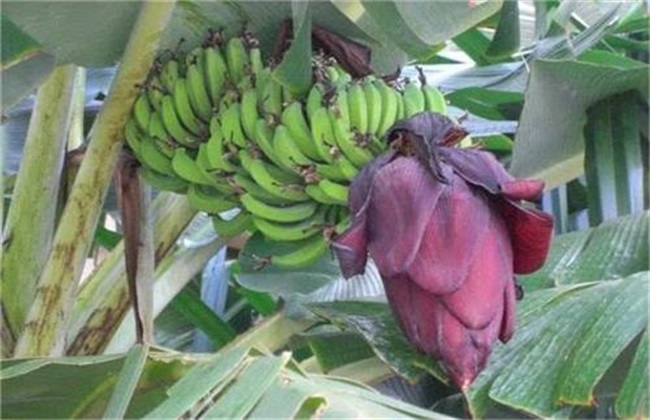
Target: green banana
169	75
316	193
358	108
133	136
236	59
275	187
142	112
294	119
264	139
346	167
174	126
374	103
291	231
217	156
306	253
286	214
434	100
314	99
413	99
388	107
163	182
155	93
336	192
322	134
401	112
345	140
231	125
287	151
271	102
186	168
197	90
209	200
215	73
249	114
184	108
331	171
243	183
153	158
239	224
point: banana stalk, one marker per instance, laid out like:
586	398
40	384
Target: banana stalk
47	320
103	297
174	272
31	218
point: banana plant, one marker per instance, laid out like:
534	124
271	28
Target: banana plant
543	71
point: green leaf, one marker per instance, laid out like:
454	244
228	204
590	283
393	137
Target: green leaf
277	281
16	45
633	398
474	43
567	338
488	103
612	250
335	349
557	97
190	305
104	29
374	321
294	72
240	398
134	364
506	39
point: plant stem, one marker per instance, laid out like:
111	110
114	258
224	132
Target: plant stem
45	329
31	217
102	301
273	333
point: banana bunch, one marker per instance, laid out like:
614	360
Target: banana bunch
216	125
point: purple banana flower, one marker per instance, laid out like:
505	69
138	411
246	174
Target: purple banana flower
446	229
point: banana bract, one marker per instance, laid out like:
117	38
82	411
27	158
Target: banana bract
447	232
213	122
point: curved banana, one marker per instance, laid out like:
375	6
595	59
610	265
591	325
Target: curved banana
208	200
413	99
374	103
286	214
239	224
388	107
186	168
306	253
358	108
291	231
322	134
336	192
215	73
345	140
169	75
236	59
314	99
243	183
142	111
316	193
294	119
331	171
217	156
287	151
133	136
264	139
184	108
291	192
163	182
271	102
434	100
174	126
249	114
153	158
231	125
197	90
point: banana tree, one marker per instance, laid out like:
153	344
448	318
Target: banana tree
571	78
